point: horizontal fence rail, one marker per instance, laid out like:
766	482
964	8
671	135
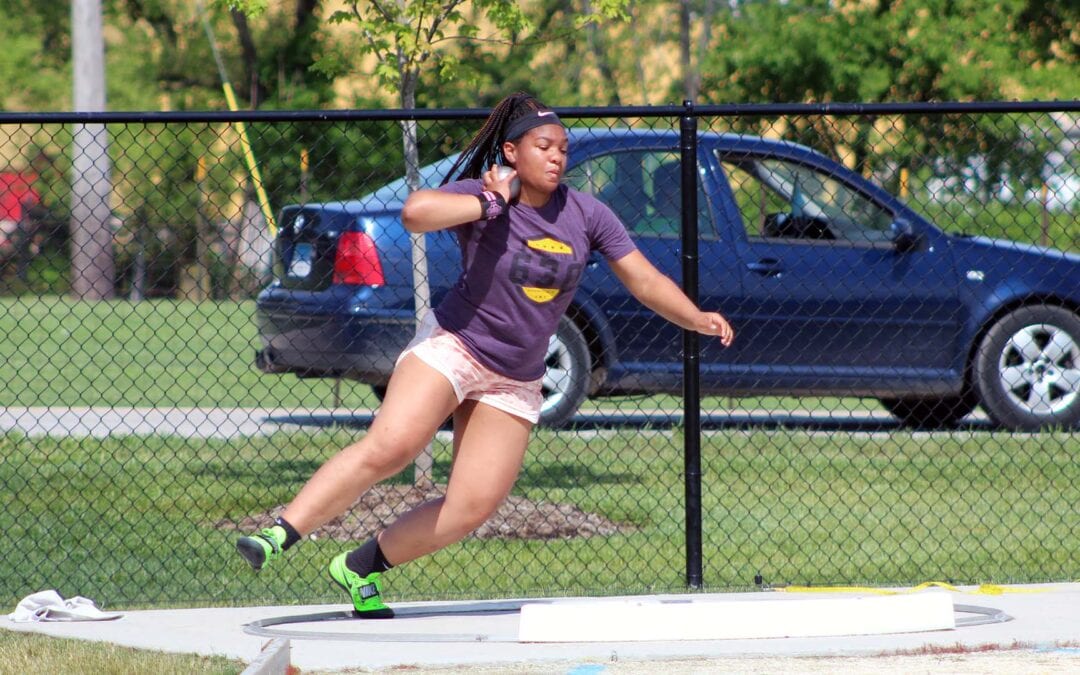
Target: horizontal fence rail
184	341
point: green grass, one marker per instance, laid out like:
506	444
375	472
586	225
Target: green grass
55	351
130	521
30	653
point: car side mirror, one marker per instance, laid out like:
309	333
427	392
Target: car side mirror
904	236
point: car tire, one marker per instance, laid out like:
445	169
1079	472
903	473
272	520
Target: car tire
1027	369
566	378
930	412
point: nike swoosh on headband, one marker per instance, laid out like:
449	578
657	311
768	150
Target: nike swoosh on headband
532	119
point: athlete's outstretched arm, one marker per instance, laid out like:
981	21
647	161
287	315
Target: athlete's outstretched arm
659	293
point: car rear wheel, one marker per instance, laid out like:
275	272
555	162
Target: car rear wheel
566	378
1027	370
930	413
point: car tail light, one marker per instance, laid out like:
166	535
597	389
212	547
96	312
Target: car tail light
357	261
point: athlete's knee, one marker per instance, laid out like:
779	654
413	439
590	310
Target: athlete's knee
472	512
382	457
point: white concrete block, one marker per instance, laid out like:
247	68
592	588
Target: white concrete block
633	620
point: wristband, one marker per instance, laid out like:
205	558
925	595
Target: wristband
492	205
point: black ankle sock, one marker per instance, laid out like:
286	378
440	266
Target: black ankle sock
381	563
291	535
367	559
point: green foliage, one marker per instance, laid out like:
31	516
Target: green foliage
406	37
23	56
252	7
471	54
347	160
603	10
801	50
955	50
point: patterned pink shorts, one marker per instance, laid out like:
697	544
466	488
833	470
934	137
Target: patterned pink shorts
443	351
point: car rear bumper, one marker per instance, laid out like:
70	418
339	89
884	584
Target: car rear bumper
362	346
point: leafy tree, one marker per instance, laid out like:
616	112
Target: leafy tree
887	50
37	51
932	50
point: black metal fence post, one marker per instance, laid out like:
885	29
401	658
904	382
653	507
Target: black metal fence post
691	364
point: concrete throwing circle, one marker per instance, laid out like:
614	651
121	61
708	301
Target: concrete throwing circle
975	616
264	627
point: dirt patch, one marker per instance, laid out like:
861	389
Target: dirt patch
517	518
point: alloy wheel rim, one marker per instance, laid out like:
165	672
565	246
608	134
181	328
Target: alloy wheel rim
1039	369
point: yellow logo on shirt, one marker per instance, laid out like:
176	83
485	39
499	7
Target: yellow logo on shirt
549	245
540	294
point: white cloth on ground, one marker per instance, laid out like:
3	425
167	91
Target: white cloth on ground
51	606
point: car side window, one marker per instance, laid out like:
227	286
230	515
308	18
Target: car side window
642	188
779	199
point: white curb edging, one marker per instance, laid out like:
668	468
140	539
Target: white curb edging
650	620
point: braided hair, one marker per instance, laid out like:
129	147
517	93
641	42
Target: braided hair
485	148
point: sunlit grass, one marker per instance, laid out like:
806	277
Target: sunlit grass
131	521
32	653
56	351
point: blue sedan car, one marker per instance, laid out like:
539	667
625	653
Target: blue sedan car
834	287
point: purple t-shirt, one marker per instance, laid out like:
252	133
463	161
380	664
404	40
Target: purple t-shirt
520	272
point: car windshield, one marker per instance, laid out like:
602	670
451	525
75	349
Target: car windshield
430	177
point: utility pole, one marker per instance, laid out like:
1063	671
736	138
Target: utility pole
93	267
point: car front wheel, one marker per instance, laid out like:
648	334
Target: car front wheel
566	378
1027	370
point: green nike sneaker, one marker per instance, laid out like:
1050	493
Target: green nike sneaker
260	548
366	592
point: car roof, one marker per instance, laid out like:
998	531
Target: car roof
725	140
390	197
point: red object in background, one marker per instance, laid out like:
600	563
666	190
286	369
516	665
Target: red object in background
16	192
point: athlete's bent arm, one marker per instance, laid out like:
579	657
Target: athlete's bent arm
433	210
659	293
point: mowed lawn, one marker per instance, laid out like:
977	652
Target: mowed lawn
55	351
132	521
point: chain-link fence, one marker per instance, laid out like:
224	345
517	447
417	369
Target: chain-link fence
900	405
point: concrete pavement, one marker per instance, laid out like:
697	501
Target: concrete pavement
216	422
1042	618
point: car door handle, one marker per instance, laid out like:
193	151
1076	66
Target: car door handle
766	267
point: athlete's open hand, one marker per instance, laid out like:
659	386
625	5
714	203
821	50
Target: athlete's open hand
712	323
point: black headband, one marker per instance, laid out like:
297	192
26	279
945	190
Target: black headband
537	118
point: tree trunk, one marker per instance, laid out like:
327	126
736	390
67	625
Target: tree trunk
93	266
690	87
423	475
256	90
598	47
639	51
